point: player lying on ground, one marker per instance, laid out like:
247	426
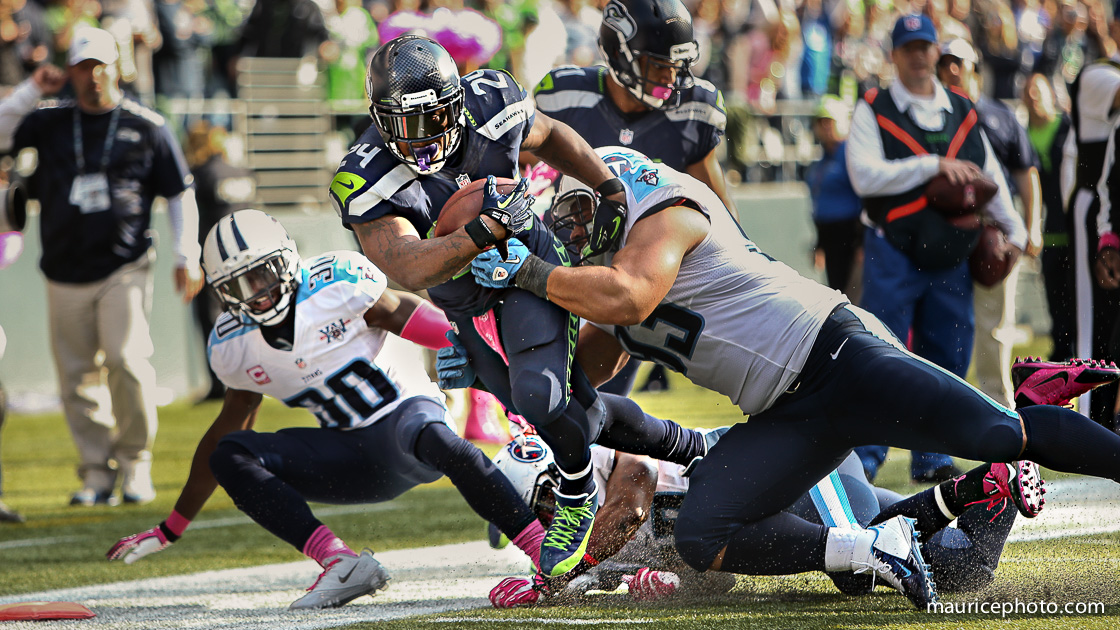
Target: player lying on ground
633	536
818	376
315	333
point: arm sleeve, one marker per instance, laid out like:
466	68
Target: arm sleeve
873	175
21	102
1001	210
1067	177
1105	192
182	211
1098	89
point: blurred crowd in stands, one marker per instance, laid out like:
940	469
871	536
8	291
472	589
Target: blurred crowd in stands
759	52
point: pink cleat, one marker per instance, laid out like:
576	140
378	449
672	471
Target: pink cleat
1019	482
1039	382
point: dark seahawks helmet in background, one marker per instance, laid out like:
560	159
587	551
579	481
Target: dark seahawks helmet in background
416	101
660	31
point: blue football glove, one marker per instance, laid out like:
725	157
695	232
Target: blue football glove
453	366
514	211
493	271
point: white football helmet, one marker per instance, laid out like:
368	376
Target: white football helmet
253	265
528	463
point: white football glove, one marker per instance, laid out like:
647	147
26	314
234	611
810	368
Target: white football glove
139	545
648	585
512	592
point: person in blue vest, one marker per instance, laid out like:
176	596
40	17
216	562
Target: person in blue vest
836	206
915	275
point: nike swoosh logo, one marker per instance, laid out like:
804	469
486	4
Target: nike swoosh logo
837	353
346	185
514	260
343	579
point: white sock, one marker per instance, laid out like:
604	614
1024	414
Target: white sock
847	549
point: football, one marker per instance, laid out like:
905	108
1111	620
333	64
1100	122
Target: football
993	257
955	199
466	203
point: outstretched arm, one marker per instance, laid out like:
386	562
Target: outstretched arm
239	411
566	151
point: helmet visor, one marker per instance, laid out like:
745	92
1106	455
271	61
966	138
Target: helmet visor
418	127
663	76
570	218
257	286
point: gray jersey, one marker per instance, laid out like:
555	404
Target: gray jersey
735	320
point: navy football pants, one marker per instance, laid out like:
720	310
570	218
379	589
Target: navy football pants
272	476
859	387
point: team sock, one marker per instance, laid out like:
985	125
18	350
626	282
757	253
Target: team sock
529	541
575	484
631	430
324	545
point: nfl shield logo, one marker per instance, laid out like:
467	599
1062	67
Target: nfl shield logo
462	180
626	137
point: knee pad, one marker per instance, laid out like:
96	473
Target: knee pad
538	397
692	548
230	456
1004	442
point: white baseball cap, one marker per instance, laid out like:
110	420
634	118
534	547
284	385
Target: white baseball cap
960	49
93	43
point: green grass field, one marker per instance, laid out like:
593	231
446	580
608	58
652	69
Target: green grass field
62	546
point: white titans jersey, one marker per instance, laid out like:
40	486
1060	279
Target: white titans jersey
735	320
348	374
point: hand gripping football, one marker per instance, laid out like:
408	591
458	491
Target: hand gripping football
956	199
466	204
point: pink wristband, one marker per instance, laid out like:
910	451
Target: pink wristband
177	523
427	326
1108	239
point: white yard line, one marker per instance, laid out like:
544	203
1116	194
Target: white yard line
426	581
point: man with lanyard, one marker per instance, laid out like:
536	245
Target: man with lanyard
915	276
1095	97
102	161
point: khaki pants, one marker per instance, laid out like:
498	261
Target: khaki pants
994	309
102	328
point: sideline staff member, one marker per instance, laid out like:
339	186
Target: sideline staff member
102	160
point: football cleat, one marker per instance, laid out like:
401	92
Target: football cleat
344	579
565	542
1039	382
1018	482
89	497
8	515
896	557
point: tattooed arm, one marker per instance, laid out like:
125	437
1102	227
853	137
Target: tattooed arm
393	244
